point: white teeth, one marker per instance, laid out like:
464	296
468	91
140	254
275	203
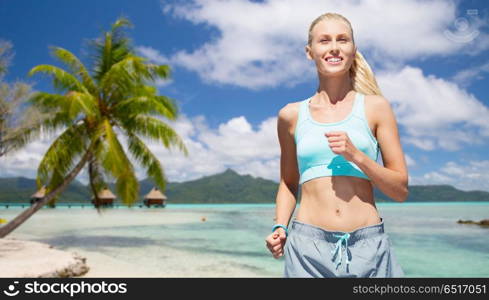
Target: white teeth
334	59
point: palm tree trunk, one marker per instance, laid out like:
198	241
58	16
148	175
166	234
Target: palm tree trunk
26	214
91	175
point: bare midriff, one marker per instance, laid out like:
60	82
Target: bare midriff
338	203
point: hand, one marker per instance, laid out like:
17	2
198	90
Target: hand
276	242
341	144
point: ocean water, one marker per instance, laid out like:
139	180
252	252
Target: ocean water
426	238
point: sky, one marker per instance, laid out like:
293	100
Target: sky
236	63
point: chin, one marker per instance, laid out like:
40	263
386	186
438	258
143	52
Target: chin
333	73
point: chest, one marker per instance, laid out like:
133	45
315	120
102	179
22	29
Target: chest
328	116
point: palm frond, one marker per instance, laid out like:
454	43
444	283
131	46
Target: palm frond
124	75
144	105
76	66
82	103
127	187
62	80
147	159
42	123
127	76
160	71
113	47
72	104
154	129
116	162
58	159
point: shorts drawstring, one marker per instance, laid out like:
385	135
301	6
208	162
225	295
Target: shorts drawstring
345	238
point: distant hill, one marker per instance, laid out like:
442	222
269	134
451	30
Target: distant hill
226	187
20	189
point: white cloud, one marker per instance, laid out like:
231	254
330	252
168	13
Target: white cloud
163	82
269	168
434	113
25	161
467	76
261	44
467	176
234	144
152	54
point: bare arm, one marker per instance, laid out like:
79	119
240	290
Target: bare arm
392	178
289	173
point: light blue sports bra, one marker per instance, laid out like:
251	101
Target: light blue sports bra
314	156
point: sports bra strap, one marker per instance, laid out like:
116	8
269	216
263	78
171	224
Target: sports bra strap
359	108
302	112
301	117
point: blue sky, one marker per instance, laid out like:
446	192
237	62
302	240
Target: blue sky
236	63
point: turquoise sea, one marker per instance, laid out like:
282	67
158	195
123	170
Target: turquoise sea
426	237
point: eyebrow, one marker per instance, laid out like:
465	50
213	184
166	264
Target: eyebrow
341	34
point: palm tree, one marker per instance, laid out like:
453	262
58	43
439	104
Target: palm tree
94	110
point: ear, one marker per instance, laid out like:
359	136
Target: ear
308	52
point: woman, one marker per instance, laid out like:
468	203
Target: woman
329	144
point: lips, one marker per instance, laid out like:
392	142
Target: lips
334	60
337	57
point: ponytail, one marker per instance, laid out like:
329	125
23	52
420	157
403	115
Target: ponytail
362	76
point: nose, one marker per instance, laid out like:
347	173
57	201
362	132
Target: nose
334	47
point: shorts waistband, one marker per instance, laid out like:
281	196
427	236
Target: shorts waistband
316	232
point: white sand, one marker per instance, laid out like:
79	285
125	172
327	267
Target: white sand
19	258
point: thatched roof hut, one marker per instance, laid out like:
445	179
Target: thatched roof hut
155	197
39	194
106	194
106	197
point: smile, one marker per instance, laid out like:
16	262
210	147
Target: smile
334	60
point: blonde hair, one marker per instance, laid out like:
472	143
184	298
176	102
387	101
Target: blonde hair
360	72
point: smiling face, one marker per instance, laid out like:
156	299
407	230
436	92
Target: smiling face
331	47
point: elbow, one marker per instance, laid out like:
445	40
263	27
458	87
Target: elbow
291	184
403	194
293	188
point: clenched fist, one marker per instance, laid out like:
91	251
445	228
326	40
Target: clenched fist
276	242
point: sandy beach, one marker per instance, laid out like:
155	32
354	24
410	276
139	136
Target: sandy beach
19	258
22	258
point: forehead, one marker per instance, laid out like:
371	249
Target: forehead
331	27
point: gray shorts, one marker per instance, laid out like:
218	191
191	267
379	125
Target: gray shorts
311	251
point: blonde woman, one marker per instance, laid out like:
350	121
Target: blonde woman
329	145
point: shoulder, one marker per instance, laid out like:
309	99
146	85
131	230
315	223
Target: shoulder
287	118
381	110
376	101
379	105
289	112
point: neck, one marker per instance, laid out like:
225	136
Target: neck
333	89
